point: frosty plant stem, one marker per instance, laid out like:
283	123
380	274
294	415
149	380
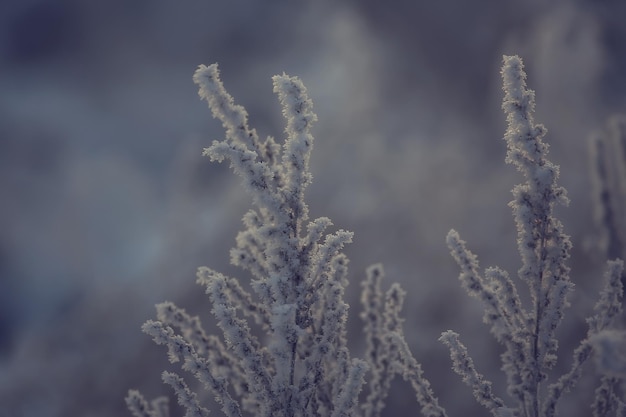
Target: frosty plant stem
528	335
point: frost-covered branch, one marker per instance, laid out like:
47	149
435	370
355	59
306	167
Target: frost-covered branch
464	366
284	350
528	335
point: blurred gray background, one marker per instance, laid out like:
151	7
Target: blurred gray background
108	207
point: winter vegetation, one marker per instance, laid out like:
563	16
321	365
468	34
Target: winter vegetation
528	334
284	350
108	206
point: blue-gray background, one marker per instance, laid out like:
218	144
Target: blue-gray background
107	206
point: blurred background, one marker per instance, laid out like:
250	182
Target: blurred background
108	207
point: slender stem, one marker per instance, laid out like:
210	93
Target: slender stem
539	299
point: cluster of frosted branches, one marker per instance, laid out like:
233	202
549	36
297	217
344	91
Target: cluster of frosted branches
301	366
299	277
528	333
